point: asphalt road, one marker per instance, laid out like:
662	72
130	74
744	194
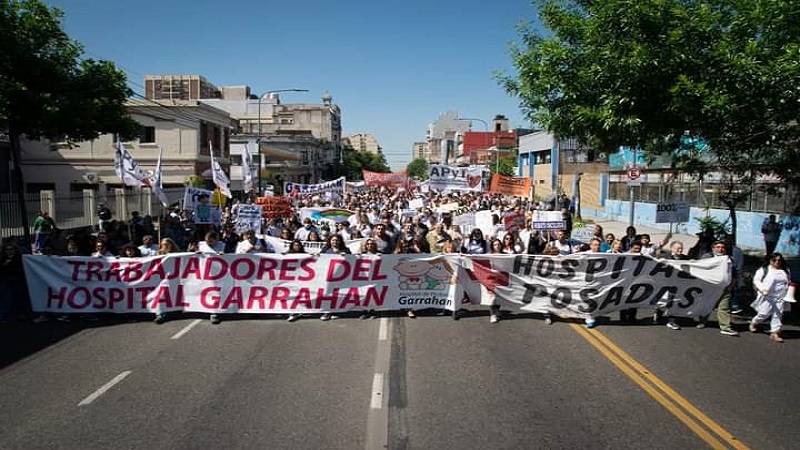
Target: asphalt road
398	383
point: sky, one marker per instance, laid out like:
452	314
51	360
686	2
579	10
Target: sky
391	66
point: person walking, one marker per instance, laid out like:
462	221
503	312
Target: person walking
771	282
723	304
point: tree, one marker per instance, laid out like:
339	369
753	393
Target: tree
642	73
355	162
418	168
47	90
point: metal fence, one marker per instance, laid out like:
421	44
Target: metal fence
79	209
706	195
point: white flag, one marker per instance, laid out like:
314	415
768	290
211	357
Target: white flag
158	188
247	168
220	179
128	169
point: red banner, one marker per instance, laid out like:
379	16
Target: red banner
275	207
392	180
518	186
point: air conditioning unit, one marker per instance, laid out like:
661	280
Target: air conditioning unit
91	177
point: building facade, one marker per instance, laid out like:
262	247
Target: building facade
182	134
362	142
287	141
179	87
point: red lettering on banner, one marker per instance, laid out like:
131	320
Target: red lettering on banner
338	270
266	266
361	269
144	292
307	266
249	265
303	297
113	271
116	296
192	268
257	294
73	298
76	268
234	298
374	296
208	274
162	295
156	267
210	293
99	295
351	298
321	297
279	294
58	295
132	272
287	269
93	268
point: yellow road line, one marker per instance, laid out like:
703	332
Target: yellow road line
698	422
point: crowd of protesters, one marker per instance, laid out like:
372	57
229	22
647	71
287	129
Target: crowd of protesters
383	220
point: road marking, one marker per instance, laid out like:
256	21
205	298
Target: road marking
94	395
679	406
377	391
377	435
186	329
383	329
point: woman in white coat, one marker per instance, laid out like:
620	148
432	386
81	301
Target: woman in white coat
771	283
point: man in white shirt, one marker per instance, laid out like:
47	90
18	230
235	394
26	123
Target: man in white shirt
148	248
212	244
303	232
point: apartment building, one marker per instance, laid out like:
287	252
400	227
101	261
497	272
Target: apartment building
362	142
181	131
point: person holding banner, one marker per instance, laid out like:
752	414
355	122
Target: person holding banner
723	304
628	316
335	246
296	247
676	254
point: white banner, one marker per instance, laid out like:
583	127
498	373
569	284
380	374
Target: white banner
593	283
325	214
452	178
336	185
249	283
311	247
574	285
672	212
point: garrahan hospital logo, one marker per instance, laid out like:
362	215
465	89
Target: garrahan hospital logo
425	282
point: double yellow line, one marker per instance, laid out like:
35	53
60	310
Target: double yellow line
708	430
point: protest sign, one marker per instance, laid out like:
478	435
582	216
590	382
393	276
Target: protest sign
275	207
199	201
248	217
548	220
397	179
676	212
452	178
515	186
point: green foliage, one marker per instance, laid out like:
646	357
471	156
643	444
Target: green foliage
355	162
46	90
418	168
641	73
195	181
712	227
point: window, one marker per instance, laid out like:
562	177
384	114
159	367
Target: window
148	135
236	160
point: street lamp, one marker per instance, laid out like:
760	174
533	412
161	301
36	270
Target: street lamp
258	141
485	137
